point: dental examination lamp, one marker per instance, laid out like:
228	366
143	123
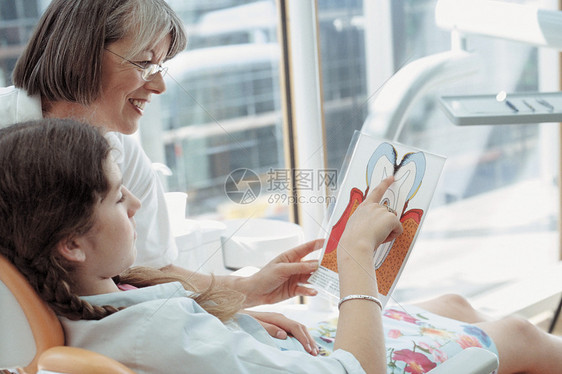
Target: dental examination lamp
516	22
522	23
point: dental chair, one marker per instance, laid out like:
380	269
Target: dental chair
40	327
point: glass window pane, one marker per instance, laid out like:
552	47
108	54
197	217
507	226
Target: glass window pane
221	110
342	52
494	215
17	21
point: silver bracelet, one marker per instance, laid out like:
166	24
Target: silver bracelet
364	297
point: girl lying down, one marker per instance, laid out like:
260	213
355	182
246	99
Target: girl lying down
67	223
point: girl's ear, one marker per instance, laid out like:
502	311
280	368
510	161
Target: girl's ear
71	249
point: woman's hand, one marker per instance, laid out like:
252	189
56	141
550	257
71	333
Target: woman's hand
282	278
279	326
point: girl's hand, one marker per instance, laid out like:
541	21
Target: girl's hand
372	223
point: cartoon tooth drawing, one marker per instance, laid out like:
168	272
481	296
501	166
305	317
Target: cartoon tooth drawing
416	174
408	175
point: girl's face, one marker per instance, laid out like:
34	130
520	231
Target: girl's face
124	93
109	246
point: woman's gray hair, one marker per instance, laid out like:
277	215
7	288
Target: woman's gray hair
63	59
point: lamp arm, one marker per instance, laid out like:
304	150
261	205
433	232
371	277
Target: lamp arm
404	88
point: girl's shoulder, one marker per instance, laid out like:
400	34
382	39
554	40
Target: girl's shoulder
135	296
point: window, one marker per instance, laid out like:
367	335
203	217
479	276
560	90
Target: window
17	21
222	108
344	73
494	215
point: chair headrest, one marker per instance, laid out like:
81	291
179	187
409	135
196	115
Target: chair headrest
45	326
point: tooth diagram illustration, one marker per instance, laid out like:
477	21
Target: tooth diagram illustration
408	175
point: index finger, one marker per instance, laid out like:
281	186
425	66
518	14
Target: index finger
377	193
302	250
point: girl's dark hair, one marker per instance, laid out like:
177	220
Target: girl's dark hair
52	177
63	59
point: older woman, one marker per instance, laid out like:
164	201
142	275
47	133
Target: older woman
100	62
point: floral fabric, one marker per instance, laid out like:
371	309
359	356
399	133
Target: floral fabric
416	340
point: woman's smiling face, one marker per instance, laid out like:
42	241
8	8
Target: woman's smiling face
124	93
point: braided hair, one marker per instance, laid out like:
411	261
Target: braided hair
51	178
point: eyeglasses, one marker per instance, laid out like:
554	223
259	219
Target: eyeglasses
148	71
